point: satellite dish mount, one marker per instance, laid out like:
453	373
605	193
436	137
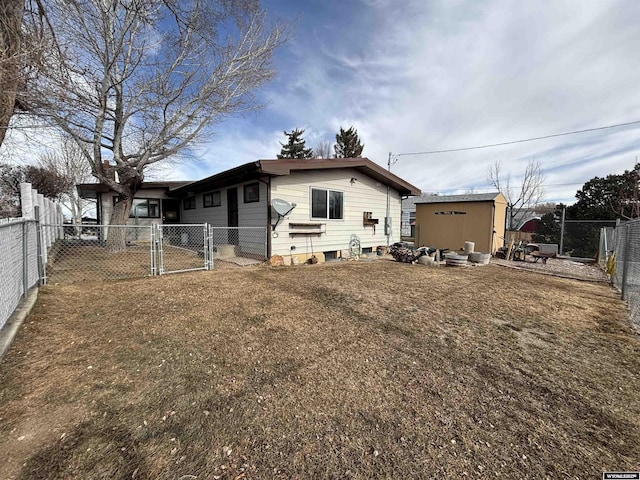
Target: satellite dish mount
282	208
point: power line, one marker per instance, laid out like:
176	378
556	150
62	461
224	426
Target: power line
519	141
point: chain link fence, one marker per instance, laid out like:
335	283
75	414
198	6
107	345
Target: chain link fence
61	254
19	263
623	263
90	253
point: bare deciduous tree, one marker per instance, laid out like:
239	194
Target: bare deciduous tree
10	66
69	161
322	149
141	80
529	194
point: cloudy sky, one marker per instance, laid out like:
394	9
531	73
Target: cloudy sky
418	75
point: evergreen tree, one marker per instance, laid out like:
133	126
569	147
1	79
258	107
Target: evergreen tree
348	144
611	197
295	146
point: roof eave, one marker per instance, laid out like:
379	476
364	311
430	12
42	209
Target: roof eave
364	165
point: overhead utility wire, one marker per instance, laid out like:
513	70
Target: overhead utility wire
518	141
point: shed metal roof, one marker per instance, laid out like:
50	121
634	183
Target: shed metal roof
470	197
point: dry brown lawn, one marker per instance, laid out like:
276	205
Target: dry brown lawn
352	370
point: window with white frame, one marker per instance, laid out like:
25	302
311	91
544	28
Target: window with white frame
327	204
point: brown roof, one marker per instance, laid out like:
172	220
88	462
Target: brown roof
286	166
89	190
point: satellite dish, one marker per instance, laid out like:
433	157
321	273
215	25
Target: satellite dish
282	208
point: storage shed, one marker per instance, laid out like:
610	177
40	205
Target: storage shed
448	221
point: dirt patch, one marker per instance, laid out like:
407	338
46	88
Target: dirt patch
351	370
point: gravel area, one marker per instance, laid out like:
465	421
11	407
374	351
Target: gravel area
555	266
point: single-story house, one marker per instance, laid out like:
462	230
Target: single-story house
448	221
334	199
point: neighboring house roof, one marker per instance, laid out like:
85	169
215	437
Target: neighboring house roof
409	204
526	215
90	190
528	226
287	166
471	197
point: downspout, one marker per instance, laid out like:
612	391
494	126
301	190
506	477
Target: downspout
269	218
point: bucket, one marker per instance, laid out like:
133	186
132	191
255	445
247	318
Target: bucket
468	247
480	258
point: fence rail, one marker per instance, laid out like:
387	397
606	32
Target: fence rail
620	255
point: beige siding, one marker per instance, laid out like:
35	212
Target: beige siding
363	195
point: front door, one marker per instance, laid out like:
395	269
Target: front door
232	215
170	211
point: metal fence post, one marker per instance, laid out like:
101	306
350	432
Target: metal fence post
211	248
625	265
159	250
205	245
42	272
25	259
152	248
564	212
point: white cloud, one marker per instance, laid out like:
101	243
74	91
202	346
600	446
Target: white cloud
462	74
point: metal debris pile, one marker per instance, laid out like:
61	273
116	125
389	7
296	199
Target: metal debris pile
403	252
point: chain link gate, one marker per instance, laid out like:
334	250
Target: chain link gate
182	248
